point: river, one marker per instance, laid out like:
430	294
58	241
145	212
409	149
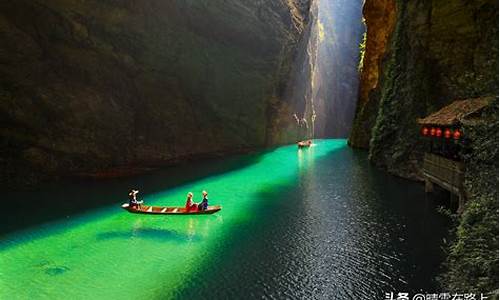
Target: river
301	224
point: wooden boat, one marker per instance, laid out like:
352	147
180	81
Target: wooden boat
170	210
304	144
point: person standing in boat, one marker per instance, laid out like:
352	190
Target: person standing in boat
204	203
132	199
189	202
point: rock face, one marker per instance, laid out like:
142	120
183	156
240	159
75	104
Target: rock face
340	30
472	263
380	18
87	85
438	52
324	82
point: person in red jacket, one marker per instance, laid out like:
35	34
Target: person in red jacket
189	202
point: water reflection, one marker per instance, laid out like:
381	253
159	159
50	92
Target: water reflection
305	158
157	234
343	231
316	224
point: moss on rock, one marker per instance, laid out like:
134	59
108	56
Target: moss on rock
472	263
441	51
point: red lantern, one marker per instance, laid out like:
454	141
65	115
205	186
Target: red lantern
439	132
433	131
425	131
456	134
447	133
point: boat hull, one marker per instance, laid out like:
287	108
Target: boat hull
304	144
170	210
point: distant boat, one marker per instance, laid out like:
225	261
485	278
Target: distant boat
304	144
172	210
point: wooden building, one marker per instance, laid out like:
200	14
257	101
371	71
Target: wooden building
443	134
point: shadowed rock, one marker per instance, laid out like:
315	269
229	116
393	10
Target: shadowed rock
89	85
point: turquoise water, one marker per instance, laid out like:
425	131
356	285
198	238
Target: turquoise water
296	223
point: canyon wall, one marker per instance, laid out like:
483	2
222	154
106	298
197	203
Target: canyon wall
421	56
436	52
324	83
336	80
379	17
472	262
91	85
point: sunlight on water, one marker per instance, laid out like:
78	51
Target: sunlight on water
111	254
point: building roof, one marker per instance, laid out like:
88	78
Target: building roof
455	112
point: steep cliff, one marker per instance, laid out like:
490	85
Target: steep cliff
380	17
438	52
336	78
88	85
472	264
324	81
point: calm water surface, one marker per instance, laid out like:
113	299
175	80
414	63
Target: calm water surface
316	223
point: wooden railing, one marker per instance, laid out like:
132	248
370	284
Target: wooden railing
447	173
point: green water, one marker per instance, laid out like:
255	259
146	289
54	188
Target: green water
107	253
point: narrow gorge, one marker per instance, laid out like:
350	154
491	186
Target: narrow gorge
349	149
104	89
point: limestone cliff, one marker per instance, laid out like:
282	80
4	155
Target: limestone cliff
472	263
337	77
88	85
324	81
380	17
438	52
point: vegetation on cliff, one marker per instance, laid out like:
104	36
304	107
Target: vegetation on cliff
404	84
380	20
439	51
362	49
472	263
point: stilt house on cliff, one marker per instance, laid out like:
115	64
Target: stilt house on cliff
443	132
